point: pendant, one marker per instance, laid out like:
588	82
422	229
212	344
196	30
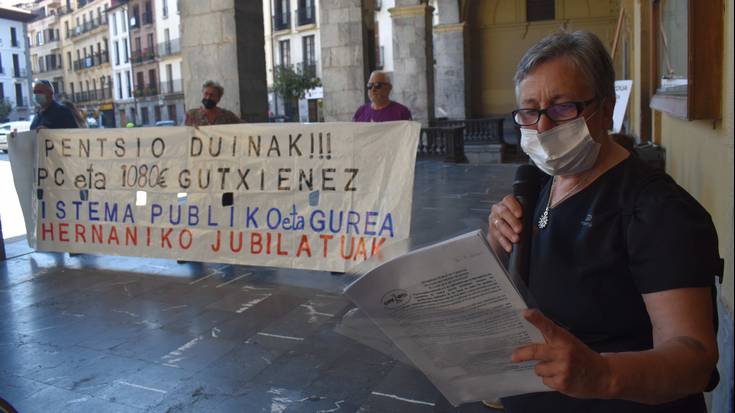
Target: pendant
544	220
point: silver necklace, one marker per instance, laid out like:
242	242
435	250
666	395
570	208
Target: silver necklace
543	222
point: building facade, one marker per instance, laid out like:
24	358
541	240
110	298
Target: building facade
44	38
168	51
15	71
142	31
122	71
293	41
86	60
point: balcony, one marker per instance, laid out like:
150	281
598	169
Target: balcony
147	18
171	87
20	72
150	90
281	21
170	47
306	15
87	27
91	61
92	95
48	68
140	56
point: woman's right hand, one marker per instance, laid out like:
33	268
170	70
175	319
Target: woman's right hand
504	224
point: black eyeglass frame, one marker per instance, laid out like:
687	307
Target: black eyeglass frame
581	106
376	85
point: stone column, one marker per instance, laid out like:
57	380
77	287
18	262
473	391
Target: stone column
344	60
449	58
222	40
413	69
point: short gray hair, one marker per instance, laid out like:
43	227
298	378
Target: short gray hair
582	49
387	75
46	83
215	85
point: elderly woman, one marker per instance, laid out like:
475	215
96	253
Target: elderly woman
209	113
624	295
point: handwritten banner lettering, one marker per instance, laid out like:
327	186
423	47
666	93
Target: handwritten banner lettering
314	196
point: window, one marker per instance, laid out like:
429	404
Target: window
19	95
165	9
128	84
114	24
16	65
119	86
148	15
285	50
13	37
2	91
539	10
144	116
39	38
139	81
153	81
125	50
172	113
117	53
71	87
124	21
157	113
2	70
66	29
309	52
687	53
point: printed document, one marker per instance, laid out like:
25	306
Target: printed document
453	311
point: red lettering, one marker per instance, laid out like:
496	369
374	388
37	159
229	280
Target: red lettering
326	238
79	231
348	255
360	250
49	230
304	246
256	243
97	234
148	236
216	245
112	236
64	232
185	244
165	234
268	243
232	241
131	235
376	246
279	251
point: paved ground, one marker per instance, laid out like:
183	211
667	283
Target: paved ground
115	334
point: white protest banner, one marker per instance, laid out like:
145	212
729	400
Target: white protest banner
622	94
312	196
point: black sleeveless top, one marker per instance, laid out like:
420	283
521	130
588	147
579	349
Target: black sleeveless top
602	248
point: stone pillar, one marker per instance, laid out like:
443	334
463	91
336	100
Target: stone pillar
413	69
449	58
222	40
343	38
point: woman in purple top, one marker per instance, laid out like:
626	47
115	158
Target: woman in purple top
380	108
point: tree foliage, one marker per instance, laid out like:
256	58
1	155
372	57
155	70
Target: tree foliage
5	108
292	84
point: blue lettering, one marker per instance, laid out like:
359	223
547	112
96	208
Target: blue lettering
110	212
156	211
317	224
277	214
387	225
128	214
60	210
370	224
77	204
353	218
193	215
171	219
93	211
250	214
209	216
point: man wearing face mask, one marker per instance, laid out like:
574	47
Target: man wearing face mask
51	114
209	113
622	259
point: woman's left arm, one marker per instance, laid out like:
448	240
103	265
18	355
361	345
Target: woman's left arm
682	359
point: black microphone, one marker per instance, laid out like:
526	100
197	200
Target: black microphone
525	189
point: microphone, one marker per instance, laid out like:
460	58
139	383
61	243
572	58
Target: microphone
525	189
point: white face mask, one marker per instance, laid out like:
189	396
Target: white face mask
566	149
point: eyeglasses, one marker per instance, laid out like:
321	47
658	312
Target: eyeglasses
558	113
376	85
